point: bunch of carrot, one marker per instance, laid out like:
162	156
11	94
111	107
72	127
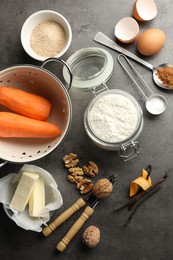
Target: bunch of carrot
28	119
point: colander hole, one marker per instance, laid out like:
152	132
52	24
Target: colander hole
29	73
1	81
22	77
14	75
49	146
31	81
38	151
23	153
8	81
17	82
30	156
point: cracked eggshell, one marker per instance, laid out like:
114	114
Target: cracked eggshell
126	30
151	41
144	10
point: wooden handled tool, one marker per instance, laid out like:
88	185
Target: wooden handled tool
61	246
70	211
63	217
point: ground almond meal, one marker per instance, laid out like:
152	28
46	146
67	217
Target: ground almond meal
48	38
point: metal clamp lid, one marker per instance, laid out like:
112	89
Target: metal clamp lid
98	89
129	150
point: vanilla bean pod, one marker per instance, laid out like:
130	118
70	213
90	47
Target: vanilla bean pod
157	188
148	169
143	193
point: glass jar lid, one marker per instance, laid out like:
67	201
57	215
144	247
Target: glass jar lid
90	67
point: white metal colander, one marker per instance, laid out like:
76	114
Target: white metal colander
42	82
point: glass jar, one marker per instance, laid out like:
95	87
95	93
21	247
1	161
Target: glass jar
127	147
90	67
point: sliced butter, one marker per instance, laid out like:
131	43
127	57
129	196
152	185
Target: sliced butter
23	191
37	199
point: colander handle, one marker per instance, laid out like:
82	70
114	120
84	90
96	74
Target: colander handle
2	163
65	64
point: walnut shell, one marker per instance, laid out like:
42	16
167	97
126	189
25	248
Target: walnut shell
102	188
91	236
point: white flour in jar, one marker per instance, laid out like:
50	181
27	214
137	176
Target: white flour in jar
113	118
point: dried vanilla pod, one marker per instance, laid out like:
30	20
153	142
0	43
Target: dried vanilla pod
85	186
70	160
91	169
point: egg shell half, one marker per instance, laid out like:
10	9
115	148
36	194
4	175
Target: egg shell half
151	41
126	30
144	10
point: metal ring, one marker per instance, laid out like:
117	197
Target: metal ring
64	63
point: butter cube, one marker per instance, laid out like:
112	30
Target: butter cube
23	191
37	199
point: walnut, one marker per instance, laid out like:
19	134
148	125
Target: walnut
102	188
91	236
76	171
74	179
85	186
91	169
76	174
70	160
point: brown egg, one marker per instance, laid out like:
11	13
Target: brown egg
144	10
150	42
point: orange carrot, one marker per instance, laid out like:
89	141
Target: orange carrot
14	125
24	103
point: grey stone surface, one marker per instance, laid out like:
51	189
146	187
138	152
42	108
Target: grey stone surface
149	234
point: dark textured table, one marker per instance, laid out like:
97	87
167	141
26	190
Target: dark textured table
149	233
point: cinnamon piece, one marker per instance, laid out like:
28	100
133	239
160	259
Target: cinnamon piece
166	76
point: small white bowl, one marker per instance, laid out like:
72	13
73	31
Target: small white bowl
40	17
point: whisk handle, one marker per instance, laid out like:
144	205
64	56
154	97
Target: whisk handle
63	217
61	246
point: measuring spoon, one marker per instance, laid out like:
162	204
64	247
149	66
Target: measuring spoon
155	103
104	40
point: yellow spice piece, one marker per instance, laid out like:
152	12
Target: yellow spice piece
141	182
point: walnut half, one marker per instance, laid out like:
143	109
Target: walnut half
76	174
70	160
91	169
85	186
